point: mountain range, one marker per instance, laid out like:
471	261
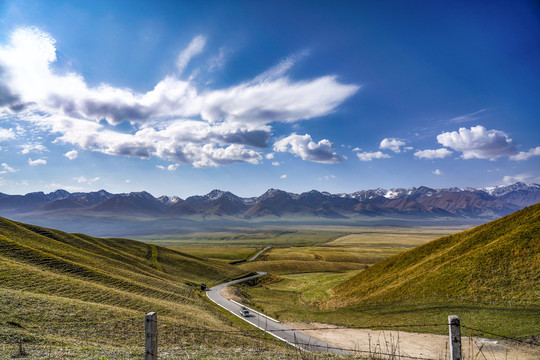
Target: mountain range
423	202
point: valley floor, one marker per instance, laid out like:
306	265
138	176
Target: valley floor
409	344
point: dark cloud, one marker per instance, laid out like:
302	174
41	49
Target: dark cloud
115	113
8	98
255	138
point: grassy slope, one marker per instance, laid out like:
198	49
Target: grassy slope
48	278
499	260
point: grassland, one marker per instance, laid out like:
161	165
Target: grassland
493	283
224	253
298	298
246	237
54	286
83	297
354	251
234	247
496	261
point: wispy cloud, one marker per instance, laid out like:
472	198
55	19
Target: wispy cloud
280	69
84	180
194	48
525	155
433	154
27	148
468	117
327	177
369	156
72	155
37	162
170	167
7	169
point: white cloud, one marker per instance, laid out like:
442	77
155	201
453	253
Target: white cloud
433	154
127	181
72	155
7	169
368	156
270	156
57	186
284	176
391	144
6	134
84	180
37	162
174	121
525	178
194	48
357	149
279	100
477	142
171	167
304	147
437	172
27	148
525	155
275	163
211	155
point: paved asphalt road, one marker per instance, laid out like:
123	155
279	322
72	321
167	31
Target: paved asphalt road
283	333
259	253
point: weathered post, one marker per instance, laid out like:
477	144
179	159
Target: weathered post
455	337
150	330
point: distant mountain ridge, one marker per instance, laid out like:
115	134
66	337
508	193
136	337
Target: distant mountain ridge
487	203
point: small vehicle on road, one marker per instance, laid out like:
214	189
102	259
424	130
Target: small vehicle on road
244	312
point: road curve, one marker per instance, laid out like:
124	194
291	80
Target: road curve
290	336
259	253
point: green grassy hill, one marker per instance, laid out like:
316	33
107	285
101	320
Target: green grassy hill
53	282
498	261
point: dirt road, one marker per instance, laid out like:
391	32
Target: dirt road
425	346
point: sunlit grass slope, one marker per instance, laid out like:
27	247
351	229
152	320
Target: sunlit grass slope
499	260
46	269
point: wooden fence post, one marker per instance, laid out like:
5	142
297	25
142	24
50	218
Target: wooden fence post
455	337
150	330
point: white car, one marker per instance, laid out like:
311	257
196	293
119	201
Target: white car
244	312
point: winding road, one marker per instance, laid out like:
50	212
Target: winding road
267	324
259	253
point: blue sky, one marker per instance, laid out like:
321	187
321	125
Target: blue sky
179	97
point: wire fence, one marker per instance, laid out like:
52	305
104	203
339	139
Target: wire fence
126	340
